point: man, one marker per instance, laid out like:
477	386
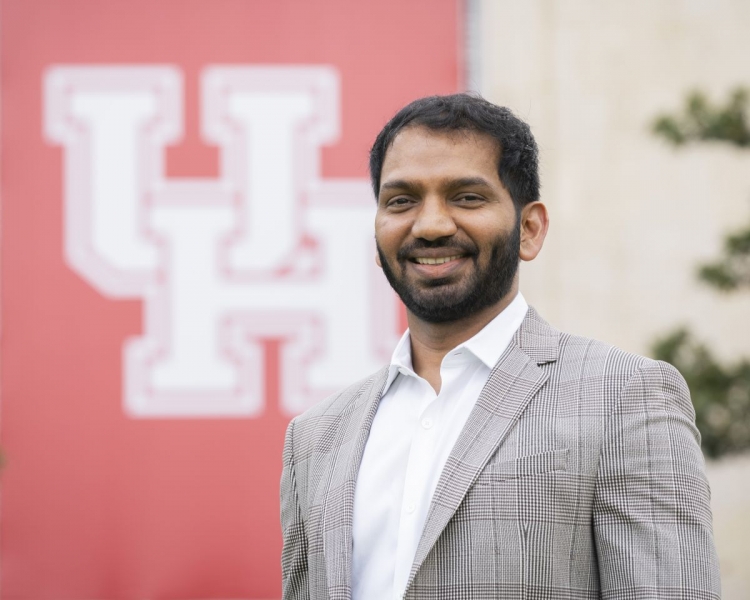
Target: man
495	457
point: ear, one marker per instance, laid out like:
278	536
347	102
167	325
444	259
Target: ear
377	259
534	225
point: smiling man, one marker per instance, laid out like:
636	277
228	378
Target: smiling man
495	457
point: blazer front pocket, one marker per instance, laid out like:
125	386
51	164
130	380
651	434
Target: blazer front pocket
532	464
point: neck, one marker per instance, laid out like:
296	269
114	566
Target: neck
430	342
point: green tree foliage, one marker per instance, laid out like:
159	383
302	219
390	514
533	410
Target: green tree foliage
701	120
732	270
721	393
729	123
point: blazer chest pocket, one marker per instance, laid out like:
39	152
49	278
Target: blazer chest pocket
523	466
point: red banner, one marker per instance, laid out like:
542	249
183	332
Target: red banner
187	262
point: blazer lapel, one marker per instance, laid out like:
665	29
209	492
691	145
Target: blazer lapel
515	379
338	507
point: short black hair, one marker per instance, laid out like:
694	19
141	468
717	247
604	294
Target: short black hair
518	168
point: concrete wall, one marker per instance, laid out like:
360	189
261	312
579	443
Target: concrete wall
730	503
631	216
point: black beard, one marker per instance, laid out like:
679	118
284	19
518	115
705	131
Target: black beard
485	288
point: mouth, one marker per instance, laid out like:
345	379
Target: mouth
438	268
436	261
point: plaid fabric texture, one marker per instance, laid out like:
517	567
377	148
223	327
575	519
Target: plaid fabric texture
577	475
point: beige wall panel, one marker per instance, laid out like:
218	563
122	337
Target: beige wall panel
631	216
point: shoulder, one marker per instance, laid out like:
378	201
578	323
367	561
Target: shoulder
599	371
336	403
620	377
328	414
594	356
580	356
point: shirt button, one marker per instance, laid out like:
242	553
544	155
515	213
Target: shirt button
426	423
411	507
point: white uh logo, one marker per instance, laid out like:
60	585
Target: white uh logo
268	249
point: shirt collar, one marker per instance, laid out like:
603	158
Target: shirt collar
487	345
400	360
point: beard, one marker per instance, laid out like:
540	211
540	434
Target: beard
443	301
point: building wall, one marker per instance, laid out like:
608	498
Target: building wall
631	217
730	490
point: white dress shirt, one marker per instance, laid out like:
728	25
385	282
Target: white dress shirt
413	433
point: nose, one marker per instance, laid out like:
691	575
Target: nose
434	220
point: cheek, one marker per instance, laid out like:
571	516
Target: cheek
495	227
389	235
486	237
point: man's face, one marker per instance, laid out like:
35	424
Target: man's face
446	229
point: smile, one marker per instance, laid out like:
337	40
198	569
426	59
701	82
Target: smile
436	261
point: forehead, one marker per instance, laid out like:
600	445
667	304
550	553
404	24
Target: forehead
419	153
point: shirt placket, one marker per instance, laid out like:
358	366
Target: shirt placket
417	472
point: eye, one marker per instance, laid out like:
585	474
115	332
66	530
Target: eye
399	202
469	199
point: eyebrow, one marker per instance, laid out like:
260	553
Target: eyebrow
402	184
396	184
468	182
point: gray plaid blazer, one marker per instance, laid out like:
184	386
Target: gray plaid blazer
577	475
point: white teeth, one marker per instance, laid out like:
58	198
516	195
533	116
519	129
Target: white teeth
435	261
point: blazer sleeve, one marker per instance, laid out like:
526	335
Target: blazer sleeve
294	554
651	511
